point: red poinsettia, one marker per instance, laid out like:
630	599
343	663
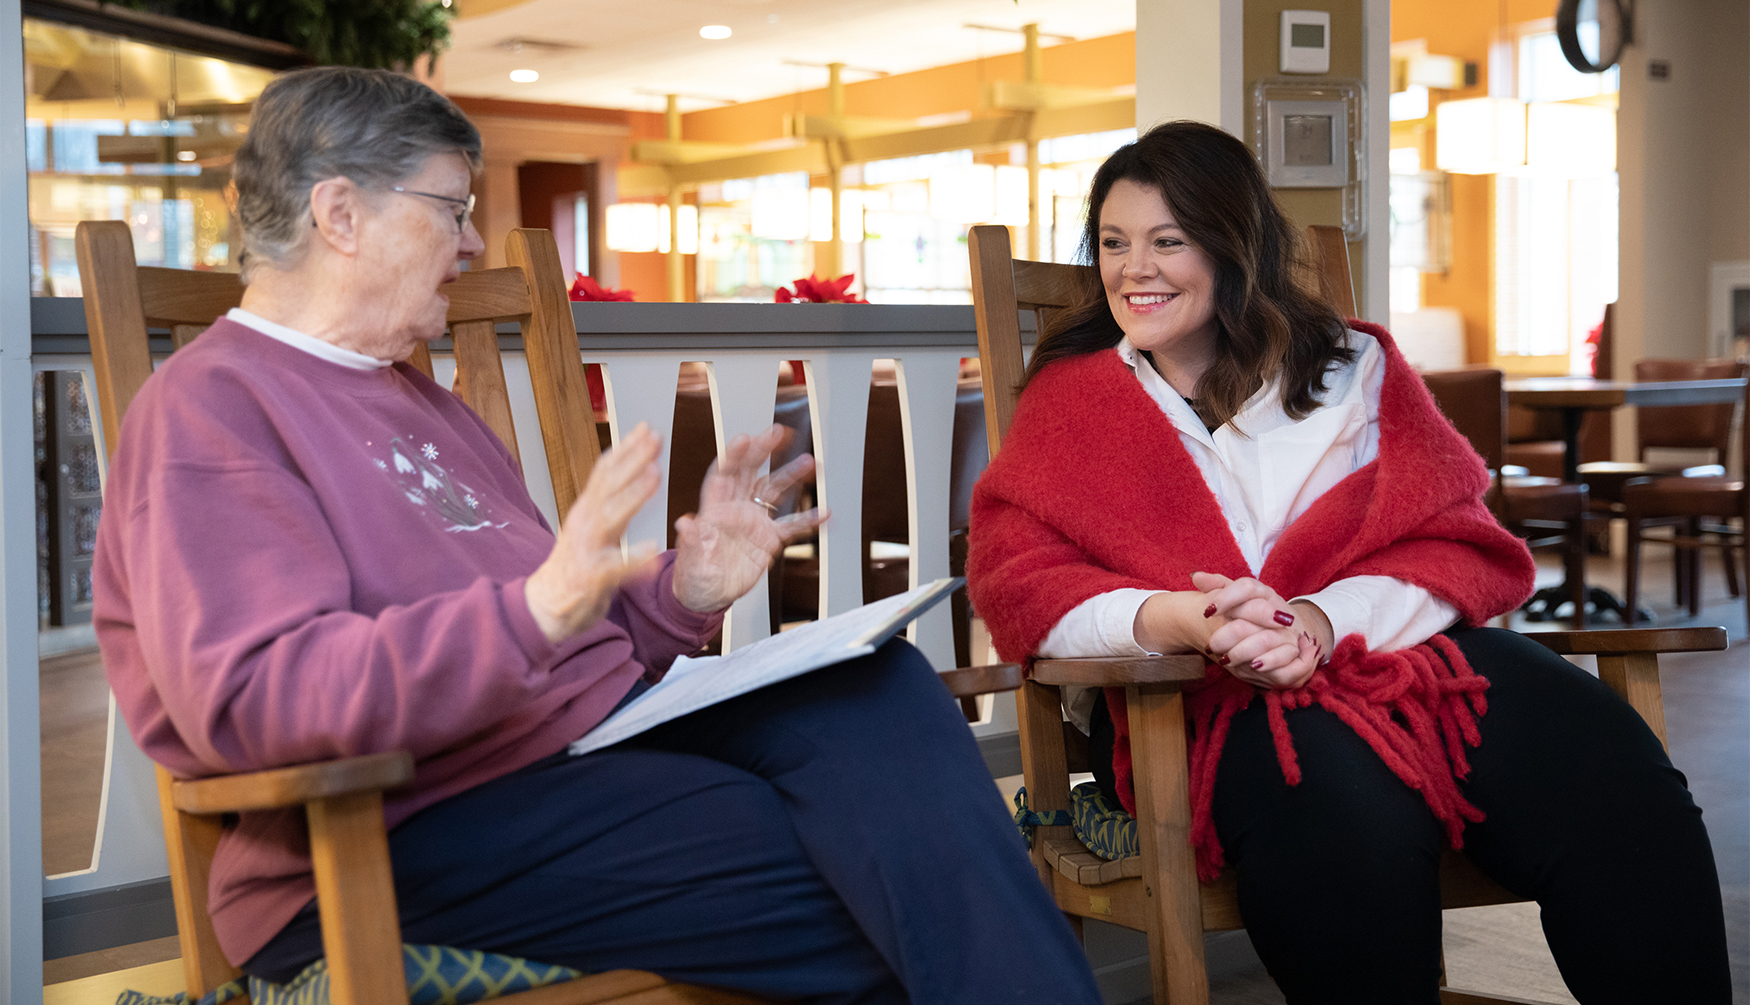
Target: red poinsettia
586	288
815	290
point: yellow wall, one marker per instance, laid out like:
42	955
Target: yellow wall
1462	29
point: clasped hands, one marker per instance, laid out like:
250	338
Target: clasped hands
720	551
1241	625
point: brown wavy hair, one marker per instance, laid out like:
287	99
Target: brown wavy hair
1269	321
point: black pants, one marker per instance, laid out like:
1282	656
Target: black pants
1338	876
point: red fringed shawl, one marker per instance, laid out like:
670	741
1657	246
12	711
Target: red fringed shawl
1093	492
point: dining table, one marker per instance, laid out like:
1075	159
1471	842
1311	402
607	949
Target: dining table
1573	397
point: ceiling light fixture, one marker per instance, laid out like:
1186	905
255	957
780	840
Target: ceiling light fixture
525	76
714	31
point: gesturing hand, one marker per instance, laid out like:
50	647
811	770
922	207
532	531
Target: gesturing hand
721	551
572	589
1264	639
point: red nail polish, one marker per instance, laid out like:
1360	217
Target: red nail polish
1222	662
1209	612
1257	664
1284	618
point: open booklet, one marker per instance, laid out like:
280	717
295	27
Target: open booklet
695	682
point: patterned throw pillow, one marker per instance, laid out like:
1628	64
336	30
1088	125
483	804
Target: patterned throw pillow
436	975
1106	829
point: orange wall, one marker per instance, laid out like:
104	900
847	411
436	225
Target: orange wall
1462	28
1094	62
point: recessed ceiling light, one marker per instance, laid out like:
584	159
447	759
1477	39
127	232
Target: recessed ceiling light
714	31
524	76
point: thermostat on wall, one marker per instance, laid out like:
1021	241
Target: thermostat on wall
1306	41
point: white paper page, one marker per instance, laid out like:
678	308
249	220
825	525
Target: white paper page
693	683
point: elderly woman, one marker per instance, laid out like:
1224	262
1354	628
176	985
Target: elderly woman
1206	459
274	587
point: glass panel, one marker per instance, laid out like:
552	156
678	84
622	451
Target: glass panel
122	130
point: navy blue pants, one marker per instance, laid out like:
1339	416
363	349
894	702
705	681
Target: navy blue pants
832	838
1338	876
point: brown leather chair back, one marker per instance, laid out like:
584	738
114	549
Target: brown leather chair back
1472	399
1689	426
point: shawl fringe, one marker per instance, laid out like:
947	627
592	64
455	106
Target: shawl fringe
1417	708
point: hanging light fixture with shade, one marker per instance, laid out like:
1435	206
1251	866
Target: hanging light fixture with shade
642	227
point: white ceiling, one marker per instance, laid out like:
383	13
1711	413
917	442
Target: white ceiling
631	52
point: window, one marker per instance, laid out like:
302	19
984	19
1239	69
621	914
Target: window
1555	227
120	130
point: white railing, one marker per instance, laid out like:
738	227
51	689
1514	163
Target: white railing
641	348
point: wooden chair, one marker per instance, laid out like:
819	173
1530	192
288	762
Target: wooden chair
1699	508
343	798
1157	891
1547	512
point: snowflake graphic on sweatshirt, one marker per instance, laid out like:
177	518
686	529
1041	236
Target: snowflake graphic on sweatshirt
426	484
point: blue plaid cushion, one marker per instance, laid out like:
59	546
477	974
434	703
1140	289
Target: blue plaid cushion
436	975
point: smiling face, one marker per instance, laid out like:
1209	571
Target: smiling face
408	247
1160	287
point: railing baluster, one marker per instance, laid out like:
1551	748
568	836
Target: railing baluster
642	389
743	394
927	382
838	400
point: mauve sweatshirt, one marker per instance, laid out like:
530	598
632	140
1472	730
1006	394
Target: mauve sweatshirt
300	561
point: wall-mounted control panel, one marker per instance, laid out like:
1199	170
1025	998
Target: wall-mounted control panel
1306	41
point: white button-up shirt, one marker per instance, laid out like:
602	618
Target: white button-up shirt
1264	480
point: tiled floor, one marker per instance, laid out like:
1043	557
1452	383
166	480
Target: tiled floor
1707	702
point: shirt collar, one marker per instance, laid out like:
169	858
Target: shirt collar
307	343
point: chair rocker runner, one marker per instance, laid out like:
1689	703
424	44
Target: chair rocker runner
343	798
1157	891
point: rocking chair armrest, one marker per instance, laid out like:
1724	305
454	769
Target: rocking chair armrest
1624	641
1119	671
278	788
969	682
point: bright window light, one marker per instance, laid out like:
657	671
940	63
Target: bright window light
715	31
524	76
1479	135
689	230
850	215
1570	140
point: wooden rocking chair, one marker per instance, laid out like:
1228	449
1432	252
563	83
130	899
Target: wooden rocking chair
1157	892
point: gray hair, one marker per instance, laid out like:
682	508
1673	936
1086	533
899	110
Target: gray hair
372	126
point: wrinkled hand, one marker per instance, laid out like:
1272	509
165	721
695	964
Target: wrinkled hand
1258	636
722	550
572	589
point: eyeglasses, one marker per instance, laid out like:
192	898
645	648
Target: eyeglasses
462	215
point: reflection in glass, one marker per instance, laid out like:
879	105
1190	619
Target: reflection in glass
121	130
